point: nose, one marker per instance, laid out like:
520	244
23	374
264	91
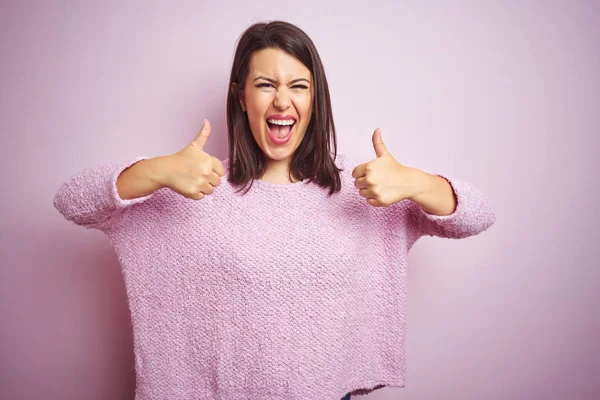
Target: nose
282	100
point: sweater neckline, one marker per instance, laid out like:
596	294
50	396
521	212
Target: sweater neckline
280	187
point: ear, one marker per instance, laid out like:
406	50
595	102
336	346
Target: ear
240	96
242	103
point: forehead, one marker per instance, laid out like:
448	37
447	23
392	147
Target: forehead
277	64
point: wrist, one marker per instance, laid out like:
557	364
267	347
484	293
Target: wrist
156	170
421	183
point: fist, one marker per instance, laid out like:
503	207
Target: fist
192	172
384	181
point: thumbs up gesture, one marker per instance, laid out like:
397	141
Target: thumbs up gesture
384	181
192	172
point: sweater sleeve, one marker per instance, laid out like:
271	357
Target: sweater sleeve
90	198
472	216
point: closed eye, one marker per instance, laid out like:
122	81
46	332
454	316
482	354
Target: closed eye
293	87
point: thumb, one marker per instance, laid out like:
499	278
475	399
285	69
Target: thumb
200	139
380	149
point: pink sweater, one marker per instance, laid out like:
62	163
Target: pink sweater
282	293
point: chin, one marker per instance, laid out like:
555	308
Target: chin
278	154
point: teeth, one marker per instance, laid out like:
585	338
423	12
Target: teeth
281	122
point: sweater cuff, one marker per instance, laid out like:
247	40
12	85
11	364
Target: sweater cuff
455	222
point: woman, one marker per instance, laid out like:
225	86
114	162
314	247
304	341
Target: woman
294	288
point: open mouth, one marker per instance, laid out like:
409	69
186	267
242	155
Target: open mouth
280	134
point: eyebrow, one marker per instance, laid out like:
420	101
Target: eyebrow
274	81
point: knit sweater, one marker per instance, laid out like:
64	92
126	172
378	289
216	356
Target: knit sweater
282	293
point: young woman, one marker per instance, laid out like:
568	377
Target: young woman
294	288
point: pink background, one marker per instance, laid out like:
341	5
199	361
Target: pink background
506	96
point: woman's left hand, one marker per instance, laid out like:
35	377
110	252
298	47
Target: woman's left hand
384	181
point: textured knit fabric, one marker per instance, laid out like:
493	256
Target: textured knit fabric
285	292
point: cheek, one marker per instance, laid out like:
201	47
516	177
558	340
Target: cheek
257	106
308	100
255	102
303	104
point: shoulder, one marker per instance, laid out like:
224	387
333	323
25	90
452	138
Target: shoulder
347	161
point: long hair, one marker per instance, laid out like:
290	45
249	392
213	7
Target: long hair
313	159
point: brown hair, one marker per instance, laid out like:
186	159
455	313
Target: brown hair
312	159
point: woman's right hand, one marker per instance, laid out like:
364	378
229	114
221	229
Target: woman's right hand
192	172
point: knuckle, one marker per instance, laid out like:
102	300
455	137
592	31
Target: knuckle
206	167
205	170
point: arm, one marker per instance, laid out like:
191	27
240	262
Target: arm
92	198
141	179
449	207
434	194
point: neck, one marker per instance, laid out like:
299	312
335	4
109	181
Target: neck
277	171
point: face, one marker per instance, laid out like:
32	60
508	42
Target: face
278	87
